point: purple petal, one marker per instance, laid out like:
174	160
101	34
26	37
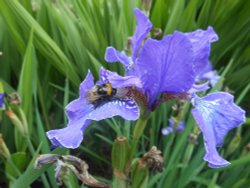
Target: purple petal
201	41
166	66
212	156
171	122
198	88
166	131
127	109
180	127
1	100
118	81
112	55
143	27
211	76
78	108
70	136
86	85
216	114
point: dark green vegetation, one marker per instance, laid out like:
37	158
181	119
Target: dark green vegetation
47	48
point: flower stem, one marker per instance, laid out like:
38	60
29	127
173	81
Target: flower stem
139	128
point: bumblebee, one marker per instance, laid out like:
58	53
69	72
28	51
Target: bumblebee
100	94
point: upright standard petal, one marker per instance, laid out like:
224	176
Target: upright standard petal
143	27
113	55
201	41
118	81
166	66
216	114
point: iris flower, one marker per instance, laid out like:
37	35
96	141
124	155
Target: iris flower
1	96
80	112
171	128
172	66
1	100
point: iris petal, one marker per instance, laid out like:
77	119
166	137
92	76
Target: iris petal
216	114
127	109
201	41
70	136
166	66
113	55
1	100
143	27
118	81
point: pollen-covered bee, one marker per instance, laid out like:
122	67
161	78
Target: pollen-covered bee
101	94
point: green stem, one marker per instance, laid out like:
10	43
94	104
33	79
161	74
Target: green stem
119	182
139	128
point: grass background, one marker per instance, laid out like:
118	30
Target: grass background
47	48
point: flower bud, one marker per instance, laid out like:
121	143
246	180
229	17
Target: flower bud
16	122
4	151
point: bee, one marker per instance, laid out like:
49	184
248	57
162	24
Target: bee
101	94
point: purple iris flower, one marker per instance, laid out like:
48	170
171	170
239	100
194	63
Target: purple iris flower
165	66
171	128
1	100
216	114
172	66
80	112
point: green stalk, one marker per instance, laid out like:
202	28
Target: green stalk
139	128
118	182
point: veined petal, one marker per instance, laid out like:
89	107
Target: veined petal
201	41
86	85
113	55
216	114
77	109
70	136
212	156
127	109
143	27
166	65
118	81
